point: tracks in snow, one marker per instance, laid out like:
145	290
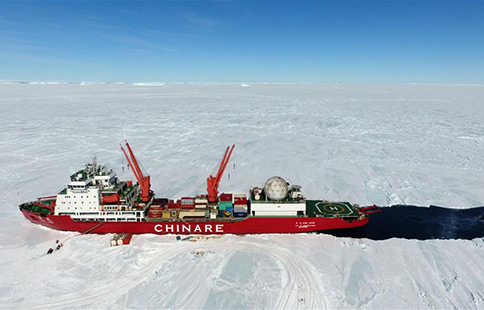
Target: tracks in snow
299	287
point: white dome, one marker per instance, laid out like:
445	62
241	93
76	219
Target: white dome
276	188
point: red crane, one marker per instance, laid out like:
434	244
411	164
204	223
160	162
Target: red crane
143	181
213	182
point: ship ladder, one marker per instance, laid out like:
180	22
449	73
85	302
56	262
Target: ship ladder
92	228
85	232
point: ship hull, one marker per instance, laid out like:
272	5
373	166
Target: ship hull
251	225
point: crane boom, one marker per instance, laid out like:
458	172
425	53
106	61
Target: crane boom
143	181
222	163
135	162
130	164
213	182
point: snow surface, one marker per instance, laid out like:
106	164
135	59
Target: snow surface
382	144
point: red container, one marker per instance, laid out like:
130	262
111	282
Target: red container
187	206
225	197
172	205
129	183
240	200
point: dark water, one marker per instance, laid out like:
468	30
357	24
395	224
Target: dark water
422	223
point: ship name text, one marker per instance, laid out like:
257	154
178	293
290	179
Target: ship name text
189	228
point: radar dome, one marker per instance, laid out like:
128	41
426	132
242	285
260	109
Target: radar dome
276	188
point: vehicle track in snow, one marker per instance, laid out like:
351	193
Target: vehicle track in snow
299	288
104	292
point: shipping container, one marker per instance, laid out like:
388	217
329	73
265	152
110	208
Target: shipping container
224	213
240	199
225	197
191	213
225	206
240	214
166	214
172	205
187	201
225	203
240	208
160	201
201	200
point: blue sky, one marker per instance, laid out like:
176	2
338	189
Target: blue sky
223	41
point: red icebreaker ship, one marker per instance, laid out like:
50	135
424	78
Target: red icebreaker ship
96	201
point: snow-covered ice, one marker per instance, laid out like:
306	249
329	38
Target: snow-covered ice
382	144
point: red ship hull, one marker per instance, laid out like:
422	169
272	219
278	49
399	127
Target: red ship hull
251	225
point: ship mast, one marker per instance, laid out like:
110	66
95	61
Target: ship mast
213	182
143	181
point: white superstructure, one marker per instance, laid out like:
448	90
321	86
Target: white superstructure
95	193
278	209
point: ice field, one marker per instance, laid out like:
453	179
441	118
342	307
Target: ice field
367	144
